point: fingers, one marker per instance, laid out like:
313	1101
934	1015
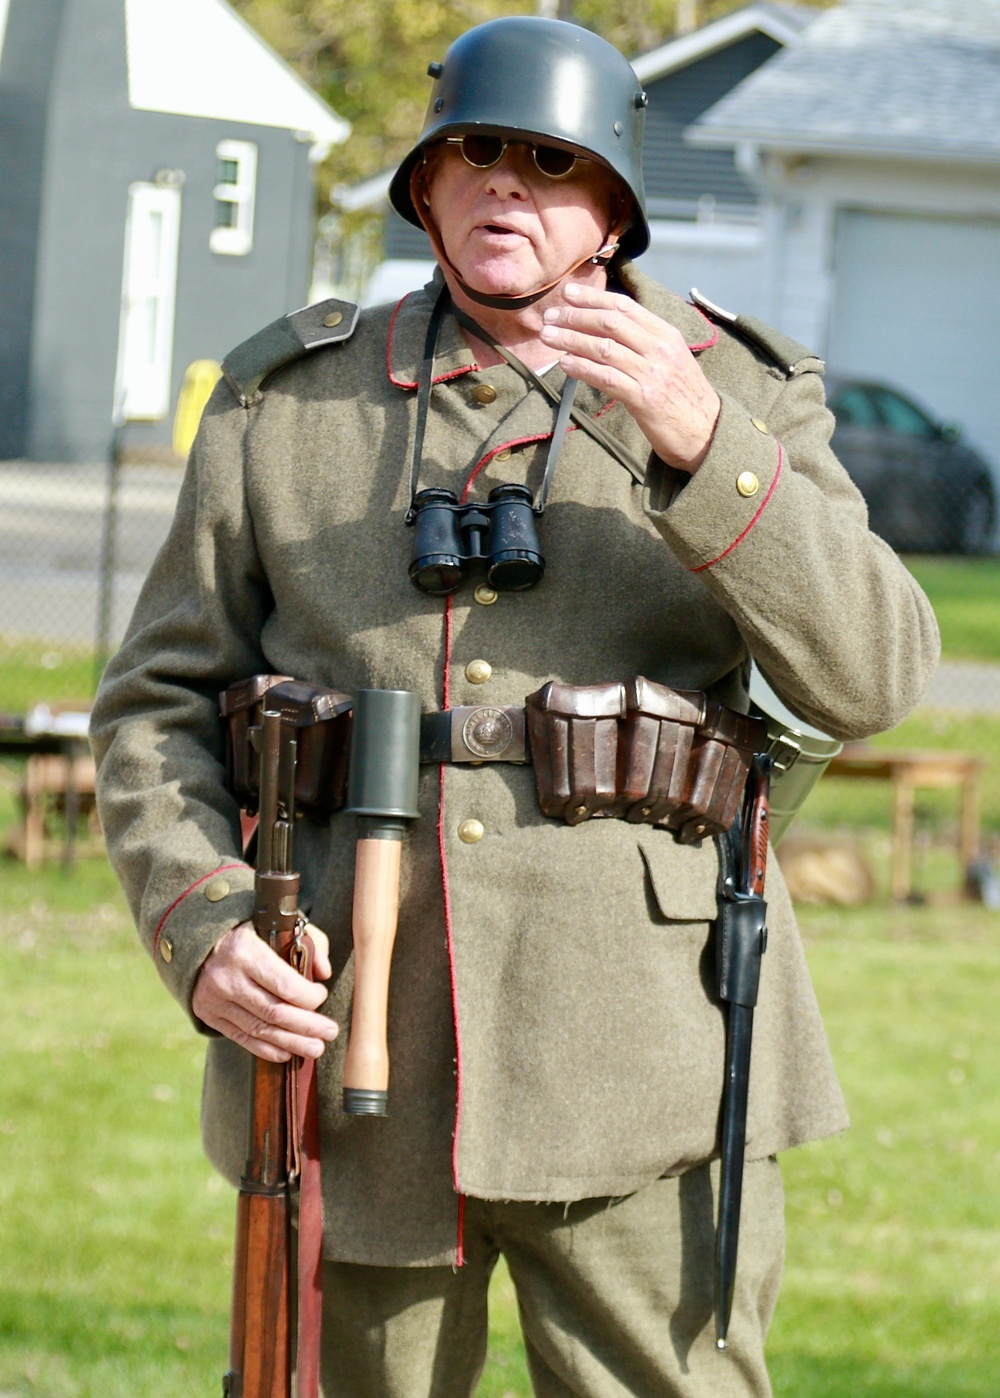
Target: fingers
247	992
322	967
618	347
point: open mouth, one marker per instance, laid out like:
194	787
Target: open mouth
499	230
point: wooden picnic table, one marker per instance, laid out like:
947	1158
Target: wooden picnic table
908	771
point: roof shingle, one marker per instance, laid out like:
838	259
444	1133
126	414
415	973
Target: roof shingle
920	78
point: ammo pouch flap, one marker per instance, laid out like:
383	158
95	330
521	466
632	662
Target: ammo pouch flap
322	720
640	751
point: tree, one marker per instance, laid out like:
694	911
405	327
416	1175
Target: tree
368	58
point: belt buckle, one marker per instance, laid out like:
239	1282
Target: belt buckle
488	733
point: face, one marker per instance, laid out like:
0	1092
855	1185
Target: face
510	229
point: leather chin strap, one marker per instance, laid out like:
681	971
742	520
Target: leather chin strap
503	301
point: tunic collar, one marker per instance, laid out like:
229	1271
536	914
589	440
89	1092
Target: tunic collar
408	329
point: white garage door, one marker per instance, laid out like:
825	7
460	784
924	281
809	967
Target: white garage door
917	304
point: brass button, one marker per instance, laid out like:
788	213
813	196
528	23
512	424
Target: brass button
471	831
485	596
747	483
217	890
760	426
334	318
484	393
504	454
478	671
166	949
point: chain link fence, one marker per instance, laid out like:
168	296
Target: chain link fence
77	541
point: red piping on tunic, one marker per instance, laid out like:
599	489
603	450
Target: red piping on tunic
442	853
405	383
521	442
449	933
695	349
223	869
763	505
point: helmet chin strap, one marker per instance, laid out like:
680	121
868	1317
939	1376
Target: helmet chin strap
500	301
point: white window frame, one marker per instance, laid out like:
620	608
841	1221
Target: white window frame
236	240
148	303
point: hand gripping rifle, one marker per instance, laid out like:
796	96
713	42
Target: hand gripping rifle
282	1147
741	938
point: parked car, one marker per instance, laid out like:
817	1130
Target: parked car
927	490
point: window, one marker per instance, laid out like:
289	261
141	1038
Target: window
900	415
235	193
854	408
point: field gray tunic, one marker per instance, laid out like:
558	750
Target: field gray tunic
554	1029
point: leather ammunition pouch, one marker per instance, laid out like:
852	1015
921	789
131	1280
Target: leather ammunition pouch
642	752
322	718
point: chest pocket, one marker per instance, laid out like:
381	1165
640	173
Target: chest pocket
683	878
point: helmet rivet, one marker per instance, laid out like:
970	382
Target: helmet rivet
641	100
439	104
434	70
618	128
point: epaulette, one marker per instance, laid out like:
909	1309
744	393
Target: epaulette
247	366
787	354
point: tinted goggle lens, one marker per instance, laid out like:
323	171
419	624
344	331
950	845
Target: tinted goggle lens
486	151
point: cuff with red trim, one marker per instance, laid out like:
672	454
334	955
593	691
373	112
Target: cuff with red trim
720	505
190	927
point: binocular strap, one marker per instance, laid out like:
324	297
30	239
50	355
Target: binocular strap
564	399
610	444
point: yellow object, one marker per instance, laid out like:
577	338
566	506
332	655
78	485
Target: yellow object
199	380
478	671
747	483
471	831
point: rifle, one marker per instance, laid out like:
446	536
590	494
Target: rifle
741	938
282	1146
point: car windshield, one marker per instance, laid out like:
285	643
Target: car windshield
900	415
854	408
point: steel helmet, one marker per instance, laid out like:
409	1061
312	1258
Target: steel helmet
541	78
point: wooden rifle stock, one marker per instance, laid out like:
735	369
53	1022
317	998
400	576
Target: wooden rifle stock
260	1350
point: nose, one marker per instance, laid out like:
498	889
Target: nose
508	178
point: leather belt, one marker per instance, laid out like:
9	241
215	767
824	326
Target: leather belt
475	733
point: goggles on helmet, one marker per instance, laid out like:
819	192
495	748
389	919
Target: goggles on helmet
483	152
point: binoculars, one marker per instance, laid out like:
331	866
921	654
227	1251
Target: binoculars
452	538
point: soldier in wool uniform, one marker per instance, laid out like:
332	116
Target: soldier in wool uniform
557	1039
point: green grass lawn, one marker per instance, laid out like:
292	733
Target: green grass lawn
115	1257
115	1249
965	595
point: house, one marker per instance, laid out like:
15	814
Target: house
875	145
704	211
156	207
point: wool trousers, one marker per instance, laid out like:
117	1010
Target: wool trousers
614	1299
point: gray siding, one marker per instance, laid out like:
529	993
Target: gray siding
25	77
677	175
403	239
66	225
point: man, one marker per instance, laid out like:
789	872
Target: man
557	1041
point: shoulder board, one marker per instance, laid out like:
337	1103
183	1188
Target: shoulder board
787	354
326	323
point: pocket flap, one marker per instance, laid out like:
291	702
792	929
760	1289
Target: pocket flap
683	877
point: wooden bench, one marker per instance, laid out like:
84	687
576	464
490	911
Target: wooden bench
909	771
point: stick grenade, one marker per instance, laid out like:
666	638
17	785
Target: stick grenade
741	937
382	793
